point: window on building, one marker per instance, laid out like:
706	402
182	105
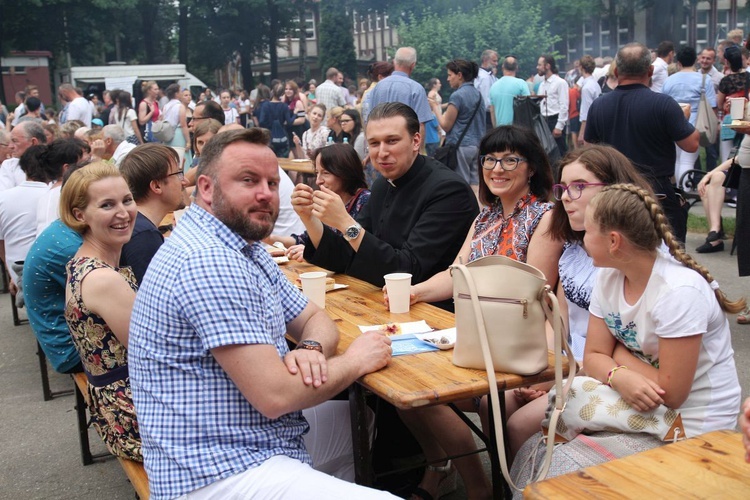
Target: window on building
587	37
571	49
17	70
604	36
309	27
622	33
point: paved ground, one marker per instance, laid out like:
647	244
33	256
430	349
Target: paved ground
39	454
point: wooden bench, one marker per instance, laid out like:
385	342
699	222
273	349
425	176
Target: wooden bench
134	470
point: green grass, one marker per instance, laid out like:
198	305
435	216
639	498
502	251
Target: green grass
699	224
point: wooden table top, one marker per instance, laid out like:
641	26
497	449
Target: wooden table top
708	466
304	166
411	380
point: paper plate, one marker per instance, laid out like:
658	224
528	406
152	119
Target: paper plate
442	339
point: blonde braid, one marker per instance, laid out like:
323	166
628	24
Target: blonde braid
663	229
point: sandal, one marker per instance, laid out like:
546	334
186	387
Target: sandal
743	318
446	485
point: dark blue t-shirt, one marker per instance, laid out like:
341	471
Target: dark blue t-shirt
641	124
143	245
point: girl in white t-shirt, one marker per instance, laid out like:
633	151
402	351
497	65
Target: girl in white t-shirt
126	117
658	332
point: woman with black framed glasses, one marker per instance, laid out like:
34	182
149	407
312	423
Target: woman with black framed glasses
515	182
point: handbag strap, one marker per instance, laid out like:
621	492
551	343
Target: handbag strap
552	313
466	129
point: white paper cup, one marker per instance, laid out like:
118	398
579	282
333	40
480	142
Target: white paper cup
737	108
314	287
399	289
181	154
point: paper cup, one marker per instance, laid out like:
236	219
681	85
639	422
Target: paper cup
181	155
314	287
737	108
399	289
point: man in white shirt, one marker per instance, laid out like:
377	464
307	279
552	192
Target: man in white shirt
484	80
78	107
18	207
112	146
590	90
706	60
554	106
25	135
664	57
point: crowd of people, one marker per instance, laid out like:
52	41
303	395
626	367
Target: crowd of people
191	372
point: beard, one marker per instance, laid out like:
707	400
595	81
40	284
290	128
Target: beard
239	221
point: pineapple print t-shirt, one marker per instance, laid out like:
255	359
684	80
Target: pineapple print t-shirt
677	302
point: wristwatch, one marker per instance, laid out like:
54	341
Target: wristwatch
352	232
310	345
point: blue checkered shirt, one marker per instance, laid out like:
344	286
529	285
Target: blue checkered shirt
206	287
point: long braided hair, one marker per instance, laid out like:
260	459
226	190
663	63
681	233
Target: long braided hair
635	213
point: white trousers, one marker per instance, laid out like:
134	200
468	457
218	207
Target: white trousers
329	443
685	161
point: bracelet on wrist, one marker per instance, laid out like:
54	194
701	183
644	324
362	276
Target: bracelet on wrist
612	373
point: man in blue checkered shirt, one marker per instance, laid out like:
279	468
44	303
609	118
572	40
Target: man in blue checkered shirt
218	394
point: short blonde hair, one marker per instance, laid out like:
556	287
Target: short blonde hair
75	192
336	112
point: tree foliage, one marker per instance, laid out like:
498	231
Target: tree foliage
506	26
336	38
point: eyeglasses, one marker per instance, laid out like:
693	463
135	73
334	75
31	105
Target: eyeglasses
345	121
507	163
180	174
575	190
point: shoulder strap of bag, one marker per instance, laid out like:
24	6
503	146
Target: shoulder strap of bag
466	129
552	312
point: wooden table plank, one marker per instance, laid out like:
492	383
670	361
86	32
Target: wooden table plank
413	380
708	466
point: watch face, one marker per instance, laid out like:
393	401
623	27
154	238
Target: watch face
311	345
352	232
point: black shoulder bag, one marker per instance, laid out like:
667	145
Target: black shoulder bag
448	154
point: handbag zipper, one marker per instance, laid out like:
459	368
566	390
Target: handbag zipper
523	302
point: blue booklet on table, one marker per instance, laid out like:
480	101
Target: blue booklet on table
407	343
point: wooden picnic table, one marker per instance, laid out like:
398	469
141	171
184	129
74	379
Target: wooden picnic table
409	381
413	380
708	466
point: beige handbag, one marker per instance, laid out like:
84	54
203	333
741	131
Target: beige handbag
706	122
510	300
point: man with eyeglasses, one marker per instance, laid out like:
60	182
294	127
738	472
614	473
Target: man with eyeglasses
205	110
157	182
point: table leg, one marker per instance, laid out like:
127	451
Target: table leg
363	472
500	488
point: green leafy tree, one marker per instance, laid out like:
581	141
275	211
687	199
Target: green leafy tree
506	26
336	38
